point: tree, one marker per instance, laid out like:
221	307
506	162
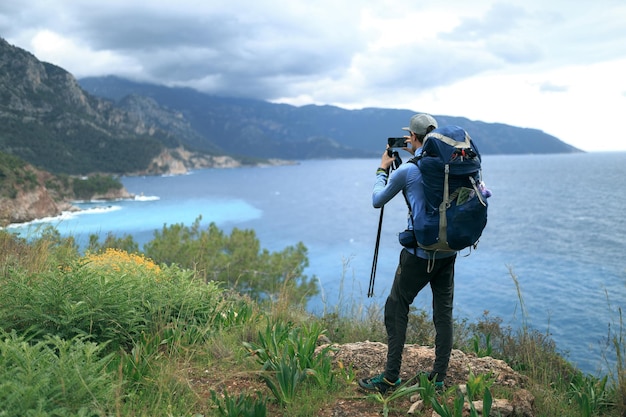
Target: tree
236	260
125	243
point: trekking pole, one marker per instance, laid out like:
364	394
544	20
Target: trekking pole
370	291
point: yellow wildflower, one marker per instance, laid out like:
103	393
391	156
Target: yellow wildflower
121	261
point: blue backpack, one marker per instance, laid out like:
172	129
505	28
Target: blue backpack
456	210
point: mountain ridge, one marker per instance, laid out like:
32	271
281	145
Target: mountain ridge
48	120
110	125
311	131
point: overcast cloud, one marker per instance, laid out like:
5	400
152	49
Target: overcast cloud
553	65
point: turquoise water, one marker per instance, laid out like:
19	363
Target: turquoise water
555	222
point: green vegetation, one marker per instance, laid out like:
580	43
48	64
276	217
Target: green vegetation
236	260
85	189
16	175
115	332
76	148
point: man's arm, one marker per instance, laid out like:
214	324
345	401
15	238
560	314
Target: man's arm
387	186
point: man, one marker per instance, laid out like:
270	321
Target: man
416	269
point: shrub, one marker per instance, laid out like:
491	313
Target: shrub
85	189
113	298
288	358
236	260
54	377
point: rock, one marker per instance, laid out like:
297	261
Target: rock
499	407
416	407
368	358
523	403
179	161
31	205
120	194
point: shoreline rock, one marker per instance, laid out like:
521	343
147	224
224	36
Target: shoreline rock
179	161
31	205
39	203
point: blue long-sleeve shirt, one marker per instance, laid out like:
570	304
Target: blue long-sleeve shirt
407	177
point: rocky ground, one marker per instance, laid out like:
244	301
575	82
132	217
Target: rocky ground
368	358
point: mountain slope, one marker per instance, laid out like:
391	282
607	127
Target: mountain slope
47	119
245	126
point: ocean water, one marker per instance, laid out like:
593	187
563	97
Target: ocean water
555	224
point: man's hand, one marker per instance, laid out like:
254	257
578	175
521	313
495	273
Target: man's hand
386	160
410	145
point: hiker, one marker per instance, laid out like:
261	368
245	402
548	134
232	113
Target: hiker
416	269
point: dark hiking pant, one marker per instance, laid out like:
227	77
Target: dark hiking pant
411	276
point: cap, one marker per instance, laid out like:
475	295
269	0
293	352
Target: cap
420	123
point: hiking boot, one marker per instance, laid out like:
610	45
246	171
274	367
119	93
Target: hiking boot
432	377
378	384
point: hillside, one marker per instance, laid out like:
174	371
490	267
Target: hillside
253	127
48	120
135	333
27	193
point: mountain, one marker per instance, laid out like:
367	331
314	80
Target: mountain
116	126
253	127
240	127
48	120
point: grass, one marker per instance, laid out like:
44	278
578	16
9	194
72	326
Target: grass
114	334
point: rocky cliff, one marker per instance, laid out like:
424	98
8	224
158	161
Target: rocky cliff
27	193
48	120
24	193
30	205
180	161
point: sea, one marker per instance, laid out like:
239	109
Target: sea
552	257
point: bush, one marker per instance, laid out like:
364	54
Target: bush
54	377
112	298
236	260
85	189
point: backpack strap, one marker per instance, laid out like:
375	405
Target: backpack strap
448	140
413	160
445	203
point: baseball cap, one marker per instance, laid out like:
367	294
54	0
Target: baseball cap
420	122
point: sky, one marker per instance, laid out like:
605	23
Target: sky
554	65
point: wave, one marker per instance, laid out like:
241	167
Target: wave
177	175
147	198
135	198
97	210
64	216
82	210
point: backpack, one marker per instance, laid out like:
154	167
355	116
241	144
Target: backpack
456	210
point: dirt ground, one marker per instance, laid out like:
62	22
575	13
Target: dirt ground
368	358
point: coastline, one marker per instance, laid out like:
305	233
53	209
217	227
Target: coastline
39	206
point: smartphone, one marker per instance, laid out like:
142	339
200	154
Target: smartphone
397	142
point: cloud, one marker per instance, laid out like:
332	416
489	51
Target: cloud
500	19
485	59
50	44
224	50
548	87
